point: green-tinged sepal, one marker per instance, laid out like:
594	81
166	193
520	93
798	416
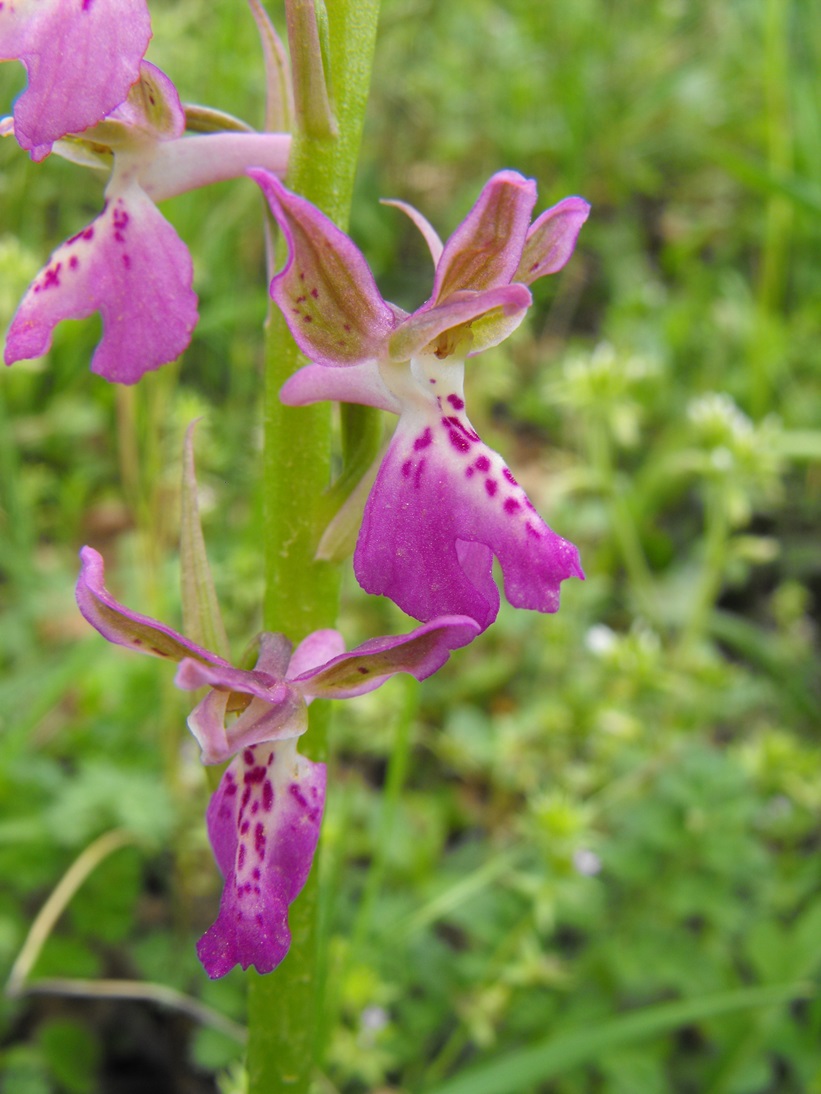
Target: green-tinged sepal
307	26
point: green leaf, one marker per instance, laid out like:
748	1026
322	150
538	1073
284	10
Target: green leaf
515	1071
72	1055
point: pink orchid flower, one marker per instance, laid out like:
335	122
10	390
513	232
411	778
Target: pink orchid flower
129	263
81	57
264	819
443	503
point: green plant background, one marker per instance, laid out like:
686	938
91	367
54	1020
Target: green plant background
585	856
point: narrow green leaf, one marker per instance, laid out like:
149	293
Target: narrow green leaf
517	1071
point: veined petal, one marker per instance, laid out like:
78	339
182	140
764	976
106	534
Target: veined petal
152	110
443	504
552	239
465	323
120	625
484	251
132	267
367	667
355	384
326	290
81	57
263	823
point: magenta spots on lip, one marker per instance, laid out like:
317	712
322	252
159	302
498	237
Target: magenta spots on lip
297	794
460	443
456	402
267	796
51	278
456	423
482	464
423	440
509	476
511	505
491	486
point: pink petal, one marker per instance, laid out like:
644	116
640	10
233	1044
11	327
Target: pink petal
132	267
355	384
485	249
326	291
465	323
220	735
190	162
81	57
551	239
152	108
275	711
263	823
443	504
420	653
315	651
126	628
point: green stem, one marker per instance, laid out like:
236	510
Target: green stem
301	593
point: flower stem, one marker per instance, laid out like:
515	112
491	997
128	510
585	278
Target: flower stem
301	593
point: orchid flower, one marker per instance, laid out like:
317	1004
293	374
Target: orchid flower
443	503
129	263
81	58
264	818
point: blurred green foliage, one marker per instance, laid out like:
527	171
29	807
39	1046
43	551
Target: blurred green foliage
584	820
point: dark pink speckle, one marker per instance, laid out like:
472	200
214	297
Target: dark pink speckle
423	440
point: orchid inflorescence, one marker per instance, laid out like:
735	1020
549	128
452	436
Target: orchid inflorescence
443	505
